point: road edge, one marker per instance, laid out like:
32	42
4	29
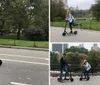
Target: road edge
27	48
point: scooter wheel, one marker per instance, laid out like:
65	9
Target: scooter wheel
0	62
71	79
63	34
75	32
80	79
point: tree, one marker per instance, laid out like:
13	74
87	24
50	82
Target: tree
4	16
20	15
77	49
57	11
54	63
94	59
73	58
96	10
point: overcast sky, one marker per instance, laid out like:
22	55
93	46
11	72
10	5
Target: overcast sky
82	4
86	45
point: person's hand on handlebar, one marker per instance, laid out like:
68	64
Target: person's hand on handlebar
66	19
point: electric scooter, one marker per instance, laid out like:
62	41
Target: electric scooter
69	74
65	32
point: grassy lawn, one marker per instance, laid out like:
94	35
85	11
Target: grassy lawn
11	36
24	43
95	25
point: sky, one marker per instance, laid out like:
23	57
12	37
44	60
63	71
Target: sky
82	4
86	45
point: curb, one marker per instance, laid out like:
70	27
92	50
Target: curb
57	73
27	48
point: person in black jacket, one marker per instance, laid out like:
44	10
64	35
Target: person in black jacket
63	66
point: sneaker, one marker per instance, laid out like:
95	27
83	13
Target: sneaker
71	32
60	80
80	24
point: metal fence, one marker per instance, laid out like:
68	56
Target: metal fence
75	70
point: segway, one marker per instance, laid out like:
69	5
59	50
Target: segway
0	62
65	32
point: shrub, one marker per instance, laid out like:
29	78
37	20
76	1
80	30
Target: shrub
34	34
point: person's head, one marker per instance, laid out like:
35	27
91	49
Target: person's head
64	54
68	11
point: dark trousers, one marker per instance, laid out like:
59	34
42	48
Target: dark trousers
72	24
86	73
61	71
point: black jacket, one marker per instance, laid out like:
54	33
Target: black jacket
63	63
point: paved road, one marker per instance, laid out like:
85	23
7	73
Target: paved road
82	36
23	67
95	80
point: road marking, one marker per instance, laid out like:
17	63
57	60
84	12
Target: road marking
15	83
24	56
25	62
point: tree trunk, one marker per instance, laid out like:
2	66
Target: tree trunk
1	33
1	27
18	34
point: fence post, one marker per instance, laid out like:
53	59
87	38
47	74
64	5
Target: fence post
14	43
34	44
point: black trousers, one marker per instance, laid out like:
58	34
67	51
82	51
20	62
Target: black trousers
72	24
86	73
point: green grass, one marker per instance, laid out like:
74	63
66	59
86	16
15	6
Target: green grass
11	36
95	25
24	43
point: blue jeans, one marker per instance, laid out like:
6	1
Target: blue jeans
86	73
72	24
61	71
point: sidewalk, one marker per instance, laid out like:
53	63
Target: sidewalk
94	80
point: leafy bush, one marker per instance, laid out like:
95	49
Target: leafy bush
54	63
34	34
94	59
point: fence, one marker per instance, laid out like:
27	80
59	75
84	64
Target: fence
75	70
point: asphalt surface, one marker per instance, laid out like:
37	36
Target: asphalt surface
94	80
82	36
24	67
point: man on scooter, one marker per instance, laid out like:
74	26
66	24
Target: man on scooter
63	66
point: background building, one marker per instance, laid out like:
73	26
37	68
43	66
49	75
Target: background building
57	48
81	45
95	47
65	46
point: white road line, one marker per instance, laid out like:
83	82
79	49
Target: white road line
15	83
24	56
24	61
